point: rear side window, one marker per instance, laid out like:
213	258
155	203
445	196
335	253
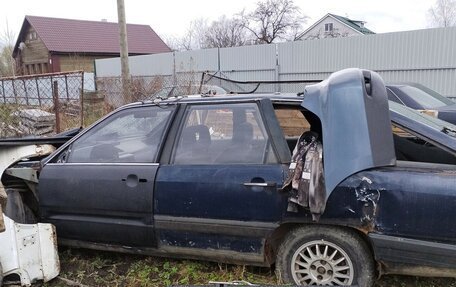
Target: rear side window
223	134
129	136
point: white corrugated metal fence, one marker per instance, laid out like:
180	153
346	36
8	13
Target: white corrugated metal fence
426	56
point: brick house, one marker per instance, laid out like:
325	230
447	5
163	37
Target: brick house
46	45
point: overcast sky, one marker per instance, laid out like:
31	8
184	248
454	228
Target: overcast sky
172	17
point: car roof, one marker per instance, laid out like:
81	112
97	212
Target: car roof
400	84
275	97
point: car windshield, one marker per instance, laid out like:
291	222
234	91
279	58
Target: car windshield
424	98
422	118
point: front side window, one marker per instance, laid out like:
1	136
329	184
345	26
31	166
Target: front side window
223	134
129	136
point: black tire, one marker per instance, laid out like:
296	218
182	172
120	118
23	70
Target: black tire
356	268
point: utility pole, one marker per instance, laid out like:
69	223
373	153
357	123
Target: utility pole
124	51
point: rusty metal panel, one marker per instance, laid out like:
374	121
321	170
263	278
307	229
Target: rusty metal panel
10	155
2	222
29	250
2	206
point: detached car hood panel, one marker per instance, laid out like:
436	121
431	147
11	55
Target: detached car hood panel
353	110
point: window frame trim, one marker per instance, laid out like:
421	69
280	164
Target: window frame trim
68	144
181	122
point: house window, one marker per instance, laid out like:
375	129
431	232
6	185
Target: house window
33	36
328	27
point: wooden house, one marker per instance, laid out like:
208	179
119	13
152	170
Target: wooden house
46	45
335	26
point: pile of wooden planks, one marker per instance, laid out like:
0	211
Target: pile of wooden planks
36	122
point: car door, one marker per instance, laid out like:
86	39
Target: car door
219	188
99	187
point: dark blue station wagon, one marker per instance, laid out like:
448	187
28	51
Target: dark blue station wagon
204	178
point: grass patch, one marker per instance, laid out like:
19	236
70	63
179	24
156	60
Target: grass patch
95	268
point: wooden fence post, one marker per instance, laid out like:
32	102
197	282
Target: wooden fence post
55	97
82	99
26	94
4	93
38	91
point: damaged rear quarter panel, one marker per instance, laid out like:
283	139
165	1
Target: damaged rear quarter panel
408	213
415	202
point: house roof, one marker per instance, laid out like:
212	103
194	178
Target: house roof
353	24
98	37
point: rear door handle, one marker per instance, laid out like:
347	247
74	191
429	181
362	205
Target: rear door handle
260	184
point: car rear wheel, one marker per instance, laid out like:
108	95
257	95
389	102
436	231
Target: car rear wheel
320	255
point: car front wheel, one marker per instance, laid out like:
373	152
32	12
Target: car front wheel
321	255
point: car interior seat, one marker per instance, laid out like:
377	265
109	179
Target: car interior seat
240	150
194	145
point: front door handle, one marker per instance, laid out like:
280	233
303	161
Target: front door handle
260	184
132	180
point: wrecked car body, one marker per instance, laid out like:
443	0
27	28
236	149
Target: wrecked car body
205	178
27	250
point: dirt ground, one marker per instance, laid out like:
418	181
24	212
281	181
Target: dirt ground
94	268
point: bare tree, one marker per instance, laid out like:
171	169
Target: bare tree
225	32
172	42
193	38
7	63
274	20
443	13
